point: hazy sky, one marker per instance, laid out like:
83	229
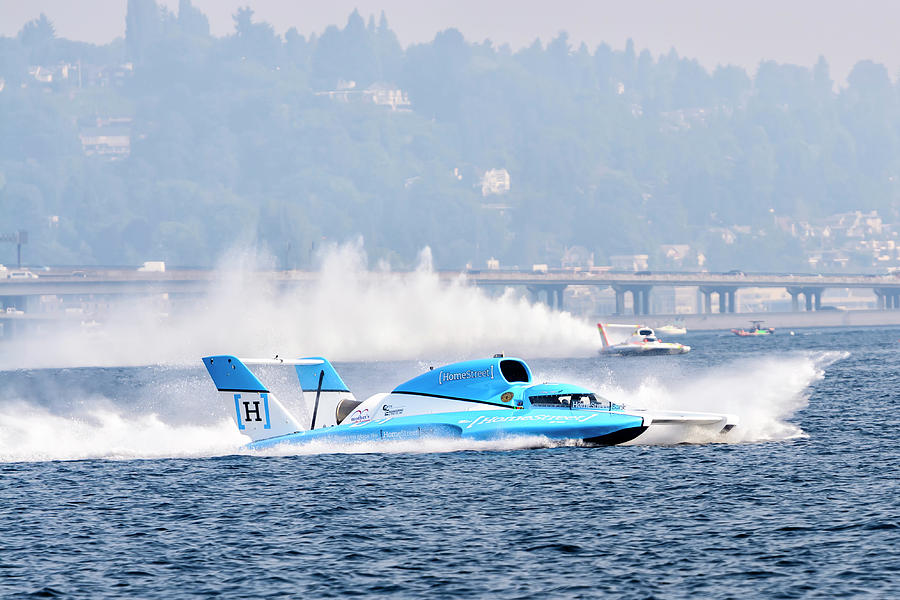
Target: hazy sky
713	31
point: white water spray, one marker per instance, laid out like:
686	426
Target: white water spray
32	434
765	393
348	314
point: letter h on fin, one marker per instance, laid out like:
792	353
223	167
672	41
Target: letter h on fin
250	411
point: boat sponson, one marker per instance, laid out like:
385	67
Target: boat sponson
617	437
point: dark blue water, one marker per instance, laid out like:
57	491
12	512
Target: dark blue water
803	503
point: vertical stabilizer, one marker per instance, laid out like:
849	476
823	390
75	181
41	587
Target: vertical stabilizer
613	334
254	409
603	337
328	399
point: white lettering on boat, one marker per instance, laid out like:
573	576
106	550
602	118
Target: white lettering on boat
448	376
544	418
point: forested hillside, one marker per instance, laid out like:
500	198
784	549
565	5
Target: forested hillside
291	142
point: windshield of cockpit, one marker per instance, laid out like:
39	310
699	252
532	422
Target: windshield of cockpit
569	400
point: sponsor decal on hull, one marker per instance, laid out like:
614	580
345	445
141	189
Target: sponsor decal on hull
549	419
359	416
450	376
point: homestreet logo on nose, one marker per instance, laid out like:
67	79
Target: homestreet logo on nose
447	376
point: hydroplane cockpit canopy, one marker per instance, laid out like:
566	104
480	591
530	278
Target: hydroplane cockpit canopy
482	380
563	396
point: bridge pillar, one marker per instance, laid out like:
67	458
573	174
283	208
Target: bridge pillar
723	301
812	297
795	300
558	291
620	301
707	302
879	299
640	300
536	291
730	295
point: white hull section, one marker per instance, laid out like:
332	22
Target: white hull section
646	348
671	330
678	427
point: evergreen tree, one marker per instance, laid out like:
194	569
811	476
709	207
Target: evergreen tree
191	21
142	28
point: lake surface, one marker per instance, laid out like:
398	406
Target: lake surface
131	482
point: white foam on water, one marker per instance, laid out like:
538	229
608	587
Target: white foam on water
348	314
33	434
427	445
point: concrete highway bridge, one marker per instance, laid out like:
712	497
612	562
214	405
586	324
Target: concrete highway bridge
722	286
548	286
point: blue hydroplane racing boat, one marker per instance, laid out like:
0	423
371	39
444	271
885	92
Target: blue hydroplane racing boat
483	399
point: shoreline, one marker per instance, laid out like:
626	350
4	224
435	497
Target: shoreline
778	320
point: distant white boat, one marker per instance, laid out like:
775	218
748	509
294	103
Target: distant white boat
672	330
635	340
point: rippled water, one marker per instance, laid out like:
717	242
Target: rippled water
131	482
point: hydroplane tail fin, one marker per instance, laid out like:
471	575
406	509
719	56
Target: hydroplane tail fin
256	411
327	398
323	399
612	334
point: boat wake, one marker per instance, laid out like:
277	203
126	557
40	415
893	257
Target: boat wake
32	434
417	446
766	394
35	434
